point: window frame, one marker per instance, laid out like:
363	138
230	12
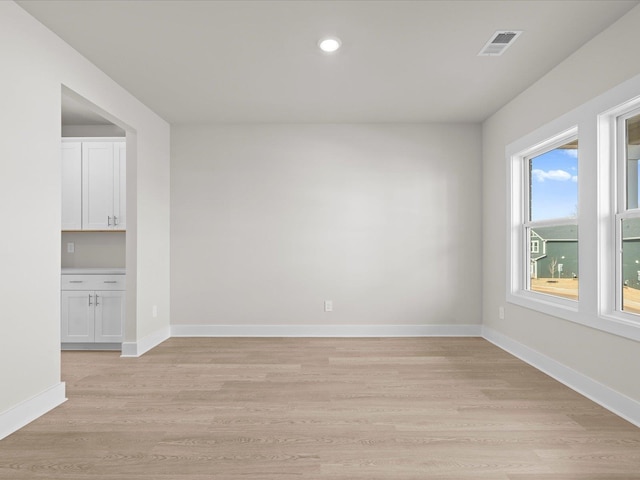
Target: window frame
621	209
519	283
610	150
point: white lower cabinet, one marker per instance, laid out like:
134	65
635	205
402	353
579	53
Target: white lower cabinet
109	316
90	315
78	317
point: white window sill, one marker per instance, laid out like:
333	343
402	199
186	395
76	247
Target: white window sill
620	324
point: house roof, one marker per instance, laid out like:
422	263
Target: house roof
558	232
631	228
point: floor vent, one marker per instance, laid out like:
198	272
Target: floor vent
499	42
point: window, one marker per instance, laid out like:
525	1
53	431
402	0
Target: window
628	214
548	269
551	203
535	246
543	265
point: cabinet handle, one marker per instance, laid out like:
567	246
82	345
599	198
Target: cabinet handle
115	220
75	281
108	221
89	299
110	281
97	300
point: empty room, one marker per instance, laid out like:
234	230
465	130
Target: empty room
314	239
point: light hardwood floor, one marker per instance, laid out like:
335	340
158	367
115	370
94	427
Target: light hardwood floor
291	408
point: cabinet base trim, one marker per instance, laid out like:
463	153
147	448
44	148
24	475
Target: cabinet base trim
326	330
26	412
91	346
142	346
614	401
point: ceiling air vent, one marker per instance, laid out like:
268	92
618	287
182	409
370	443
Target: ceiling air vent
499	42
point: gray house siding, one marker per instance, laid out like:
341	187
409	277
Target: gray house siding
561	243
631	263
631	252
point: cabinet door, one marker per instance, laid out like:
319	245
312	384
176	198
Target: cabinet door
97	186
120	185
71	185
77	317
110	312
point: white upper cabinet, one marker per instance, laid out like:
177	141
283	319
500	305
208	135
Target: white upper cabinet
101	181
97	186
71	186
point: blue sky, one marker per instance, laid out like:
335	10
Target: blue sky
554	184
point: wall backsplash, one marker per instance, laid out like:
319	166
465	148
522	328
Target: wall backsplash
94	249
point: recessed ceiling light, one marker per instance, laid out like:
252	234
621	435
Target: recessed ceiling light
329	44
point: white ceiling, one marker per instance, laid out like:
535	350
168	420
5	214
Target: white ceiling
257	61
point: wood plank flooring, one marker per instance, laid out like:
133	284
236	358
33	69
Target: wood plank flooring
292	408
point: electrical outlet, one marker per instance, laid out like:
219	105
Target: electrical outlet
501	313
328	306
71	247
154	311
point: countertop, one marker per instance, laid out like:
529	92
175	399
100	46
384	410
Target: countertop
94	271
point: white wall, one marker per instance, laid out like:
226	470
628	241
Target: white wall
35	64
600	65
268	221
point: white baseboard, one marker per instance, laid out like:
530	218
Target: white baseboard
326	330
26	412
142	346
614	401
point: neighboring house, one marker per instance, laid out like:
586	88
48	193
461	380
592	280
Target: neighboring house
559	243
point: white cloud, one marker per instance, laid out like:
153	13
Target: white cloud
574	178
572	152
558	175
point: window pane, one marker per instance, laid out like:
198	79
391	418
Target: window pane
553	179
631	265
553	268
633	154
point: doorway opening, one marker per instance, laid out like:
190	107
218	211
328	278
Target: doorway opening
97	151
